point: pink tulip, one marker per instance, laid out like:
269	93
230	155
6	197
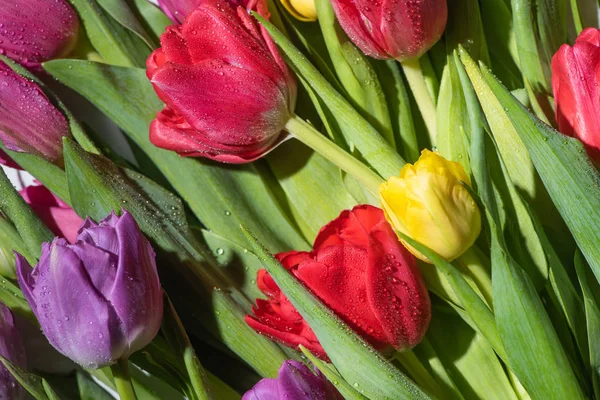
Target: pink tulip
227	91
29	122
55	213
34	31
396	29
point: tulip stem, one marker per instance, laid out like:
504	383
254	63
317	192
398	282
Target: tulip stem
416	81
419	373
120	372
308	135
475	268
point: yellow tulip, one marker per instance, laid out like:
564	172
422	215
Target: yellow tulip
303	10
428	203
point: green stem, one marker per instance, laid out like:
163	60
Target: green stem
416	81
308	135
475	268
120	372
419	373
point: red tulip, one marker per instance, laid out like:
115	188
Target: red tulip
56	214
575	82
227	91
397	29
362	272
34	31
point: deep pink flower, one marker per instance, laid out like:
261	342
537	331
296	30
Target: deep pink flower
576	86
398	29
56	214
34	31
227	91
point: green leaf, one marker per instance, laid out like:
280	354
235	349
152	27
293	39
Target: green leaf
591	299
377	378
221	196
34	384
333	376
31	229
564	168
120	11
156	19
98	187
116	44
355	72
372	146
90	390
465	27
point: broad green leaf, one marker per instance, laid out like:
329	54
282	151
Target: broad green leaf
467	357
221	196
116	44
309	179
90	390
465	28
355	72
428	356
396	95
31	229
532	346
34	384
566	171
97	187
156	20
540	28
377	378
333	376
591	299
120	11
372	146
453	120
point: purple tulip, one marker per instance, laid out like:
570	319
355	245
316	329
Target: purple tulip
34	31
12	349
98	300
295	381
177	10
29	122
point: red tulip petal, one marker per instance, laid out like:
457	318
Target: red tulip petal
351	227
396	291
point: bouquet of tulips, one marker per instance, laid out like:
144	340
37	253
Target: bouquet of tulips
299	199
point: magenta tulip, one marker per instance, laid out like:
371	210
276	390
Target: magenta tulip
34	31
397	29
98	300
227	91
29	122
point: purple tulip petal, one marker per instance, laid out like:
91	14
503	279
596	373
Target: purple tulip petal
102	266
11	347
266	389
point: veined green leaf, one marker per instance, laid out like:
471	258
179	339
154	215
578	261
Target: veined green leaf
465	28
116	44
377	378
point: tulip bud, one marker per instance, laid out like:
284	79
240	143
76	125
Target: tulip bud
177	10
575	83
429	203
29	122
400	29
359	269
227	91
98	300
294	381
11	348
303	10
62	220
34	31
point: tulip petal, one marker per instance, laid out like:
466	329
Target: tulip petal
77	320
396	291
257	115
352	227
177	10
29	122
26	281
136	283
265	389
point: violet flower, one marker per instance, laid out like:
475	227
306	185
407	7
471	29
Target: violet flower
295	381
11	348
98	300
